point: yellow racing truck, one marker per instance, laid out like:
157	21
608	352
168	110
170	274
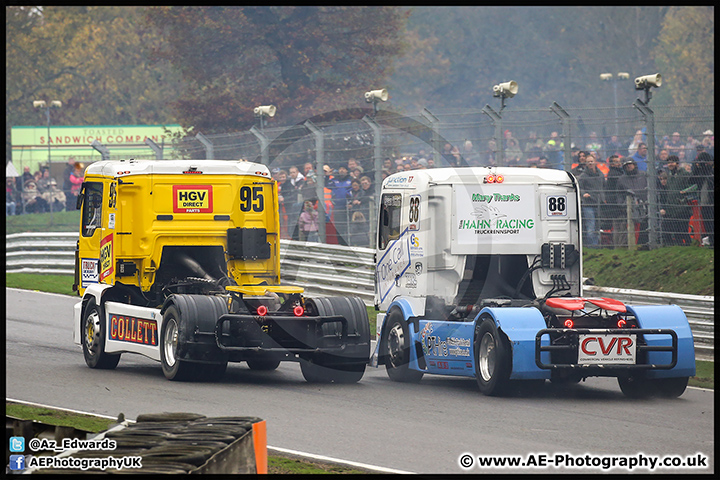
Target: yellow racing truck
179	261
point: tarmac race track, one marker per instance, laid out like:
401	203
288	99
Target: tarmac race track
421	428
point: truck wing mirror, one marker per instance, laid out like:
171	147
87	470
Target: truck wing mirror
81	197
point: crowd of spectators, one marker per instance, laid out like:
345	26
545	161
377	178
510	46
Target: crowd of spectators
39	192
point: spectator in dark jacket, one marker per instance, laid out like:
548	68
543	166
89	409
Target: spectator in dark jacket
677	210
614	209
635	184
592	196
703	177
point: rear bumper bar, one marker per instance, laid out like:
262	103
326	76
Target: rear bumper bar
282	334
571	344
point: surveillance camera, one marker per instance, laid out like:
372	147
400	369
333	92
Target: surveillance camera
267	110
507	89
648	81
39	103
606	76
56	103
375	95
623	75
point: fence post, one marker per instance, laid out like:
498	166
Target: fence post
209	152
629	202
565	121
649	116
155	148
320	182
435	136
497	122
264	144
104	152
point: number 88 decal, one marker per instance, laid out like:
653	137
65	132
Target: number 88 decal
557	205
414	208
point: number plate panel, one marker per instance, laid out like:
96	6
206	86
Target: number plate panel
607	349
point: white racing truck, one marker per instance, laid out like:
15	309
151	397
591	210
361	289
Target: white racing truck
479	274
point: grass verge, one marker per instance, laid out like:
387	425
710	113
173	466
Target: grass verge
688	270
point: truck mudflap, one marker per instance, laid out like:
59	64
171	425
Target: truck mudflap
520	325
278	334
668	317
662	346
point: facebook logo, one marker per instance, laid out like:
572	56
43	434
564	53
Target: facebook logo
17	444
17	462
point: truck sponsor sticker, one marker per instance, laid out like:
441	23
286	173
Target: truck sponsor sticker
106	257
393	264
192	198
443	341
88	271
133	330
607	349
495	213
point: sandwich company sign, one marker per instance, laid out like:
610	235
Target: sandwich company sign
30	144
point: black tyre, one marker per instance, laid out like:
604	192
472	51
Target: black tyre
172	331
396	346
636	387
93	328
348	367
671	387
492	358
264	364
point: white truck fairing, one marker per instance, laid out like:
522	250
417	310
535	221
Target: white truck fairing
486	211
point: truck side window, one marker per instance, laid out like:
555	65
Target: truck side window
92	208
389	219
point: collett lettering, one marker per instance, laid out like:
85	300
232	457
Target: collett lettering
133	330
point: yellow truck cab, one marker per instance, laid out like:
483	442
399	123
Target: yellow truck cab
180	261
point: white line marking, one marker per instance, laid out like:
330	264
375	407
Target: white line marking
323	458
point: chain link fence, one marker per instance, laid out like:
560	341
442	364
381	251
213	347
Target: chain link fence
661	205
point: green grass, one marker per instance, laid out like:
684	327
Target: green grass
43	222
61	284
93	424
689	270
704	375
61	418
282	465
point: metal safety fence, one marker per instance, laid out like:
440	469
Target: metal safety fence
671	203
326	269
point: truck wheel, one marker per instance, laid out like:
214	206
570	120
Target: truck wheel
492	359
172	330
397	344
636	387
93	330
671	387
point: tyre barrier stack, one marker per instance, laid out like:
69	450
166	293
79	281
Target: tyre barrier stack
183	443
